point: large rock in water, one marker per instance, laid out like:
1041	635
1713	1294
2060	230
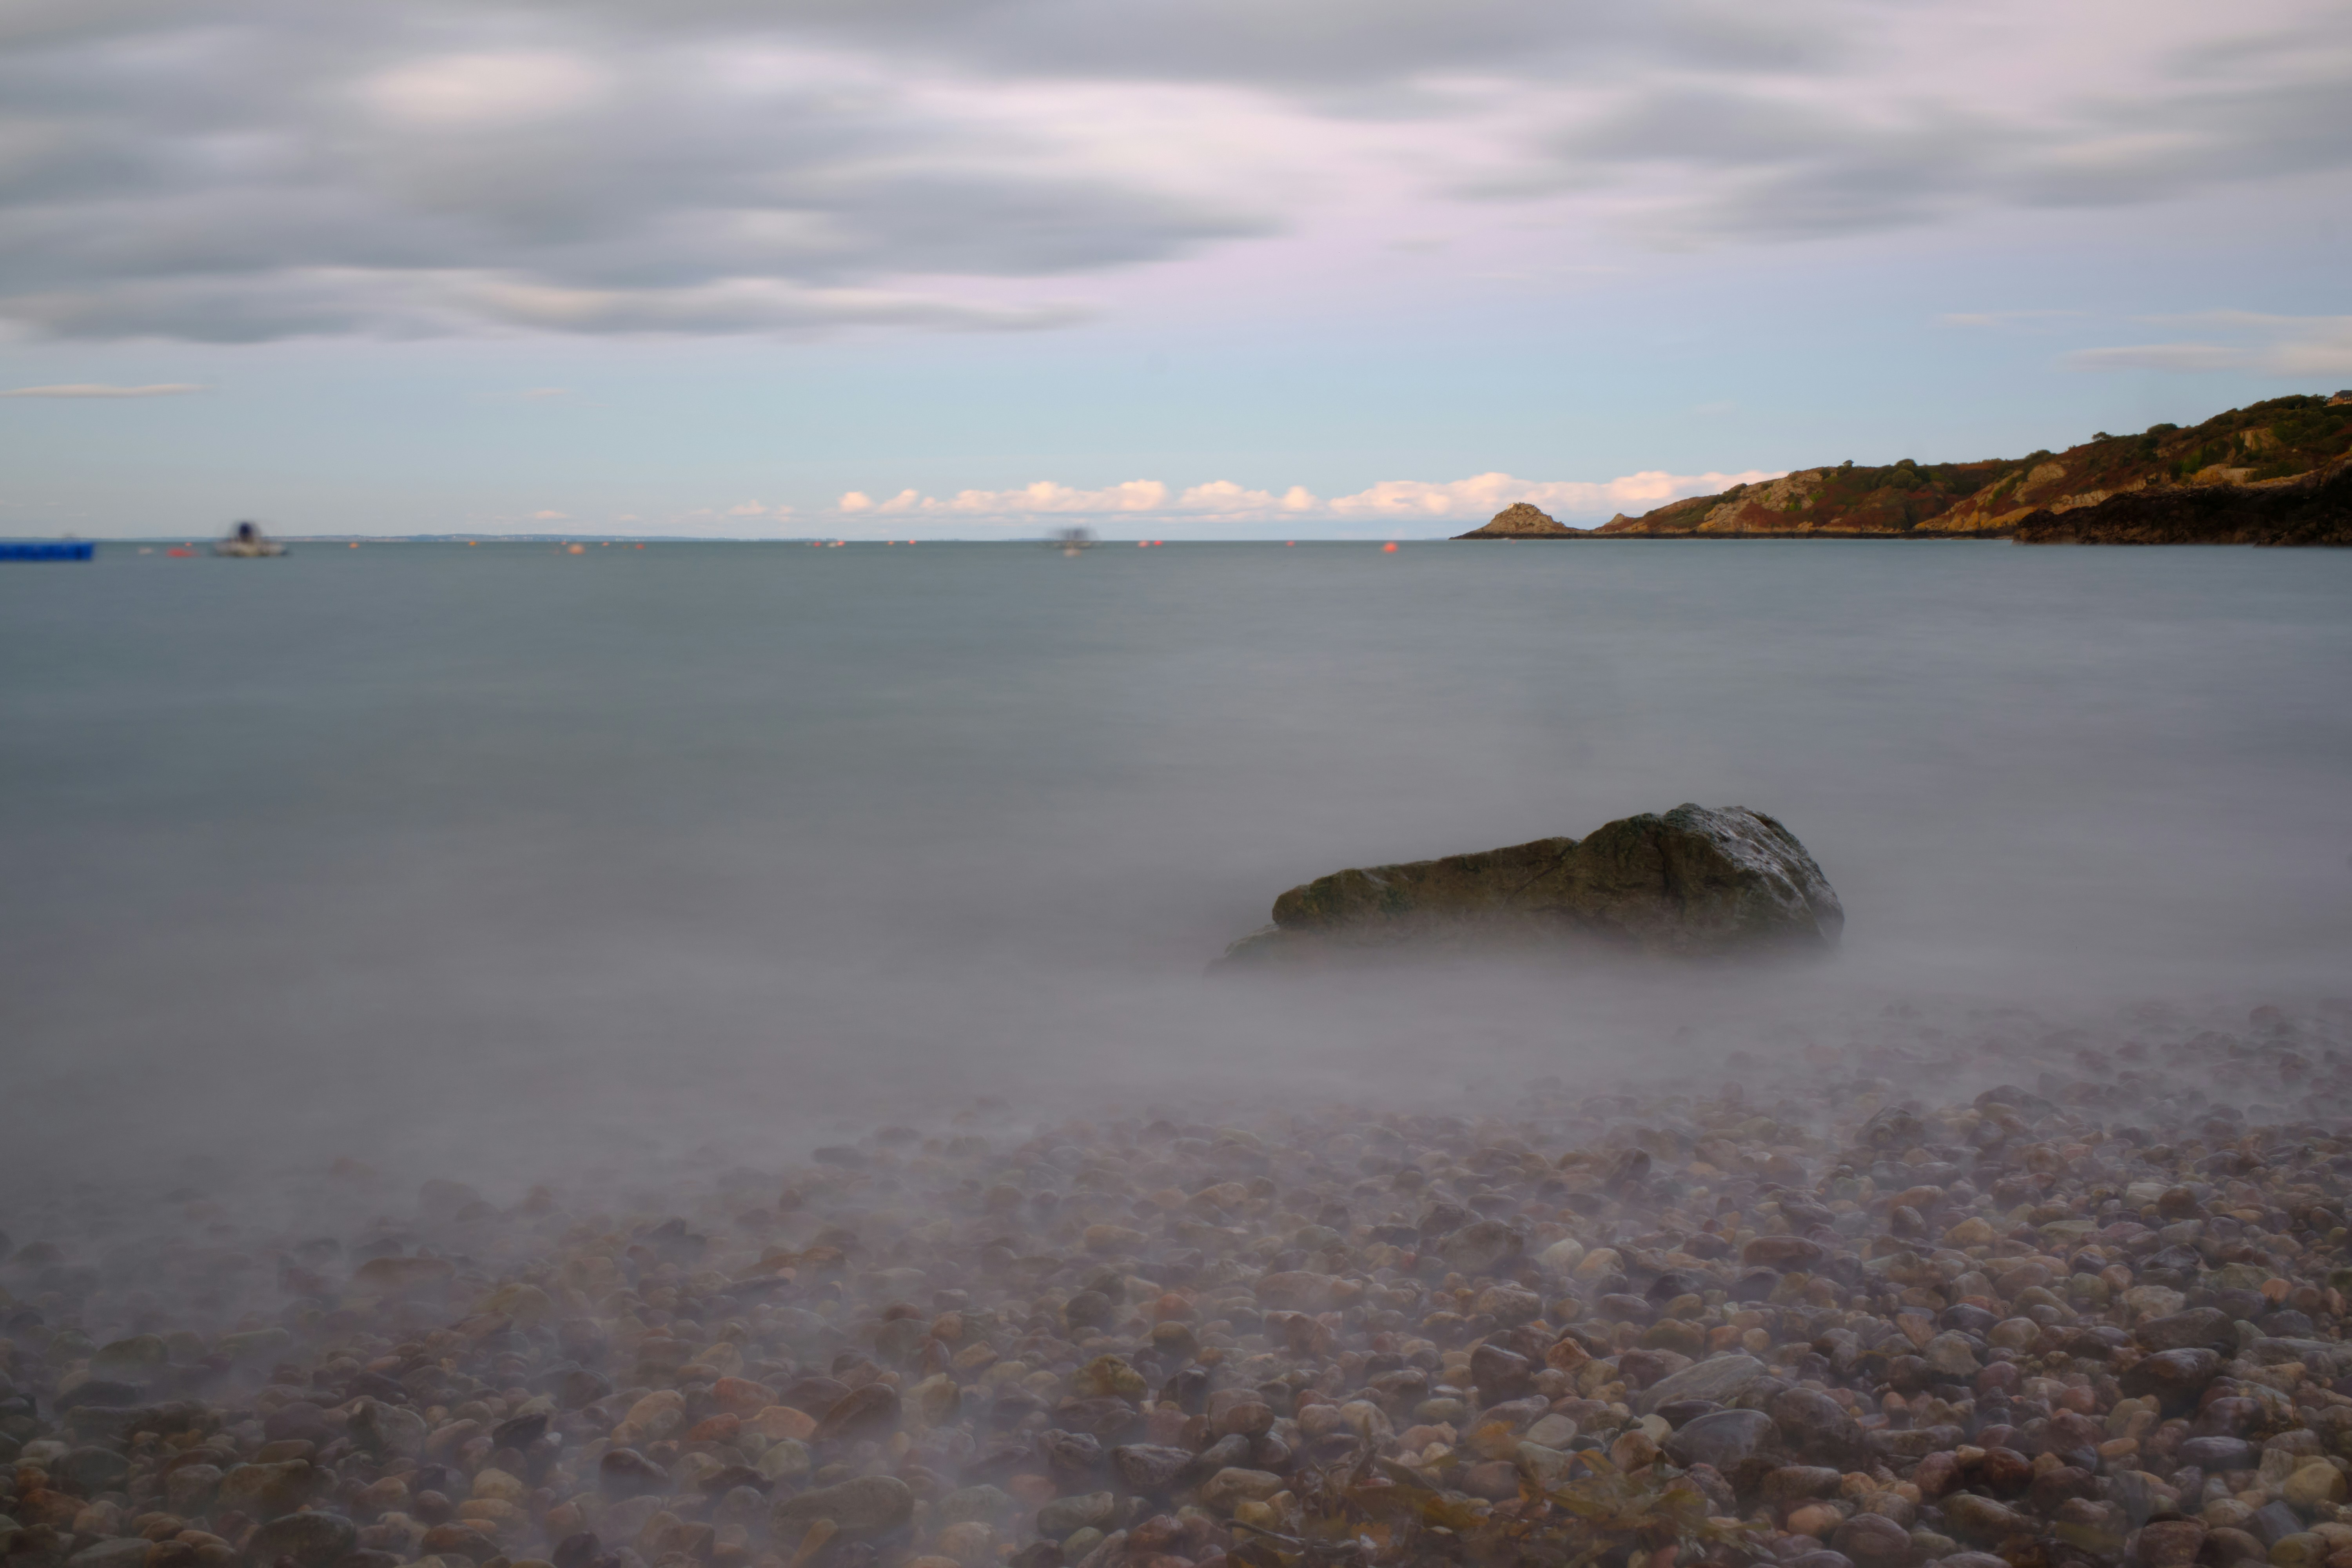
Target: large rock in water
1693	882
1520	520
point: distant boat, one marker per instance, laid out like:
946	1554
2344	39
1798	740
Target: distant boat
247	540
1072	541
47	549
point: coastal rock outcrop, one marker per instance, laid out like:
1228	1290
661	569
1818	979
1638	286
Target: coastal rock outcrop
1688	882
2304	508
2257	475
1521	521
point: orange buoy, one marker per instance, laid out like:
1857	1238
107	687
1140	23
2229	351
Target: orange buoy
577	548
1389	548
355	545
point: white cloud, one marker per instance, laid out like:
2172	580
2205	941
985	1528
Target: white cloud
1040	499
1223	498
1392	500
101	389
2285	346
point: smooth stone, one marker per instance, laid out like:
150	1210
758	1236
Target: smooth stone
1817	1428
1066	1516
313	1540
865	1506
1726	1440
1983	1520
1721	1378
1235	1485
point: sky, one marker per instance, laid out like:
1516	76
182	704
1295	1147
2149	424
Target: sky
1191	269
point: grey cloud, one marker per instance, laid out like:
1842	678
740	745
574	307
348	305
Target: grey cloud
203	175
1764	167
235	169
1767	168
259	306
1357	48
218	170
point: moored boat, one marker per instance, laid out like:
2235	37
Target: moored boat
247	540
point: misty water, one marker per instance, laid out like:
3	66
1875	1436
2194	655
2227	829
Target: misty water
465	859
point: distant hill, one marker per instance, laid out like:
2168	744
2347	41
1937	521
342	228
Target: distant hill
2274	472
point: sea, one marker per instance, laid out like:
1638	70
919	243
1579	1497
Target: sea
447	857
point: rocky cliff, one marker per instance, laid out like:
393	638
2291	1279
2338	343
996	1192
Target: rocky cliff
2304	509
2253	475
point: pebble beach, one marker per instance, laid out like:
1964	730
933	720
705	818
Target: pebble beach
1981	1290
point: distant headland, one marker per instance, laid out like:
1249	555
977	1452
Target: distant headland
2278	472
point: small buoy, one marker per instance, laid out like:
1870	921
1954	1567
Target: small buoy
641	547
1143	544
355	545
577	548
471	542
1289	543
1389	548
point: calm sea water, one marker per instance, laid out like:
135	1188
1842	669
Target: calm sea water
428	849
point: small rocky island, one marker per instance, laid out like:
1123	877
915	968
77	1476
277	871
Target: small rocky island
1691	882
1520	520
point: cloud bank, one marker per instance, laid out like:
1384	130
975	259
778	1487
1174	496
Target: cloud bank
1402	501
247	170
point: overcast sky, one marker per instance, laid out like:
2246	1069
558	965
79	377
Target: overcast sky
1246	269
